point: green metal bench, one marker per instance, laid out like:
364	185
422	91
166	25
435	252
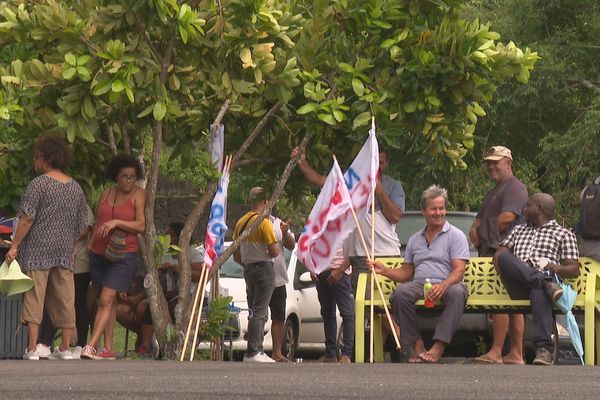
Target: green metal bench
486	294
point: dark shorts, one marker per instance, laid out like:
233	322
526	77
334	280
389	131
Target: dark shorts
115	275
277	304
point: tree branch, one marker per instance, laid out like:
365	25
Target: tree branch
267	211
186	236
112	145
158	304
146	37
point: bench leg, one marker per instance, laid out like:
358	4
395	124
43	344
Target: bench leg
359	334
377	339
591	330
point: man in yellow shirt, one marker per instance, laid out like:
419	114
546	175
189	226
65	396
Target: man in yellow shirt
256	255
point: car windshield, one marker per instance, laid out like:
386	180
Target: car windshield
413	221
231	269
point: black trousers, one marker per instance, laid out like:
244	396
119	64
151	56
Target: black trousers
522	282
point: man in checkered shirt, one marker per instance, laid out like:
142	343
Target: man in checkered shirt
528	260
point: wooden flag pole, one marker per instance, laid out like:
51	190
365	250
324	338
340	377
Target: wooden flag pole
200	289
192	313
199	318
373	277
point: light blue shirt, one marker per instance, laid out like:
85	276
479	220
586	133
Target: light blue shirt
433	260
394	190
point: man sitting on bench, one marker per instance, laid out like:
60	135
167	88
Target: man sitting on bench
527	262
439	252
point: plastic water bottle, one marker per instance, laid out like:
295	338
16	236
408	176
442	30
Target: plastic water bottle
426	289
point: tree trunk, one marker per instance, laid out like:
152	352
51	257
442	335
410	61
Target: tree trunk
157	302
183	308
267	211
184	242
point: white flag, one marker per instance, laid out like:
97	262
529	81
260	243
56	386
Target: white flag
216	145
361	176
329	223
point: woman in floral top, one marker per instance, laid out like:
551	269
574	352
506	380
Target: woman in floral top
53	214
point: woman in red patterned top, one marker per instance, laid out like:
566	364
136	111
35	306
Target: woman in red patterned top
120	208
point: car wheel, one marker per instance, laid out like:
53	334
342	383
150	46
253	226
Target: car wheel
290	340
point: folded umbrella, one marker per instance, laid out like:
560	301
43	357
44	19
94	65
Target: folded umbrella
565	304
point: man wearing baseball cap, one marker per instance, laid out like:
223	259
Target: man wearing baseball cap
500	212
256	255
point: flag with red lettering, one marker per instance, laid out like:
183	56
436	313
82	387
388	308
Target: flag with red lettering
329	223
361	176
214	240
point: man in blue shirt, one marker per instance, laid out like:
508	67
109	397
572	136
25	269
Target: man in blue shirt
438	252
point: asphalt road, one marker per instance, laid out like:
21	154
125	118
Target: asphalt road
105	380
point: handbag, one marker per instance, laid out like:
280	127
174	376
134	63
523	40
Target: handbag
117	242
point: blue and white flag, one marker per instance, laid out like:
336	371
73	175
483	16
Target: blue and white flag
214	240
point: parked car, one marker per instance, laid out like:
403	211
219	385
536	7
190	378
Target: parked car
303	325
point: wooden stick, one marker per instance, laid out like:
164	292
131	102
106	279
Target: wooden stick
387	313
192	313
203	283
373	278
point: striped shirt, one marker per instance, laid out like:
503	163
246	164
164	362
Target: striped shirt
550	241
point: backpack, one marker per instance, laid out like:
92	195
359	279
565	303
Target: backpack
589	220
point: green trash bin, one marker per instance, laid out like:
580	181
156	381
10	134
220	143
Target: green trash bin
13	335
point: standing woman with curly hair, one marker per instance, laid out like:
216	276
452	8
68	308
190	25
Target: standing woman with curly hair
120	212
53	214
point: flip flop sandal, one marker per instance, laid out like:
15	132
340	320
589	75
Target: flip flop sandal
416	359
485	359
430	358
512	362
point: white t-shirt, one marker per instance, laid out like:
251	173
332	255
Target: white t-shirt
194	255
281	275
386	239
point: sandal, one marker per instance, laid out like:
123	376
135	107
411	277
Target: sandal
430	358
416	358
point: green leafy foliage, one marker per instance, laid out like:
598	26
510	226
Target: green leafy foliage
552	123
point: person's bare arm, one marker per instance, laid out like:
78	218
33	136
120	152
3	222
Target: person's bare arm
568	268
138	225
505	220
312	176
287	238
25	223
337	273
402	274
389	209
273	249
456	275
473	232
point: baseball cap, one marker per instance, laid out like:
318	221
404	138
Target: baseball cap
256	193
496	153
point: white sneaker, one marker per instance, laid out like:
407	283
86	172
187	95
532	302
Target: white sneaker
60	355
88	352
31	355
77	352
43	350
259	357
